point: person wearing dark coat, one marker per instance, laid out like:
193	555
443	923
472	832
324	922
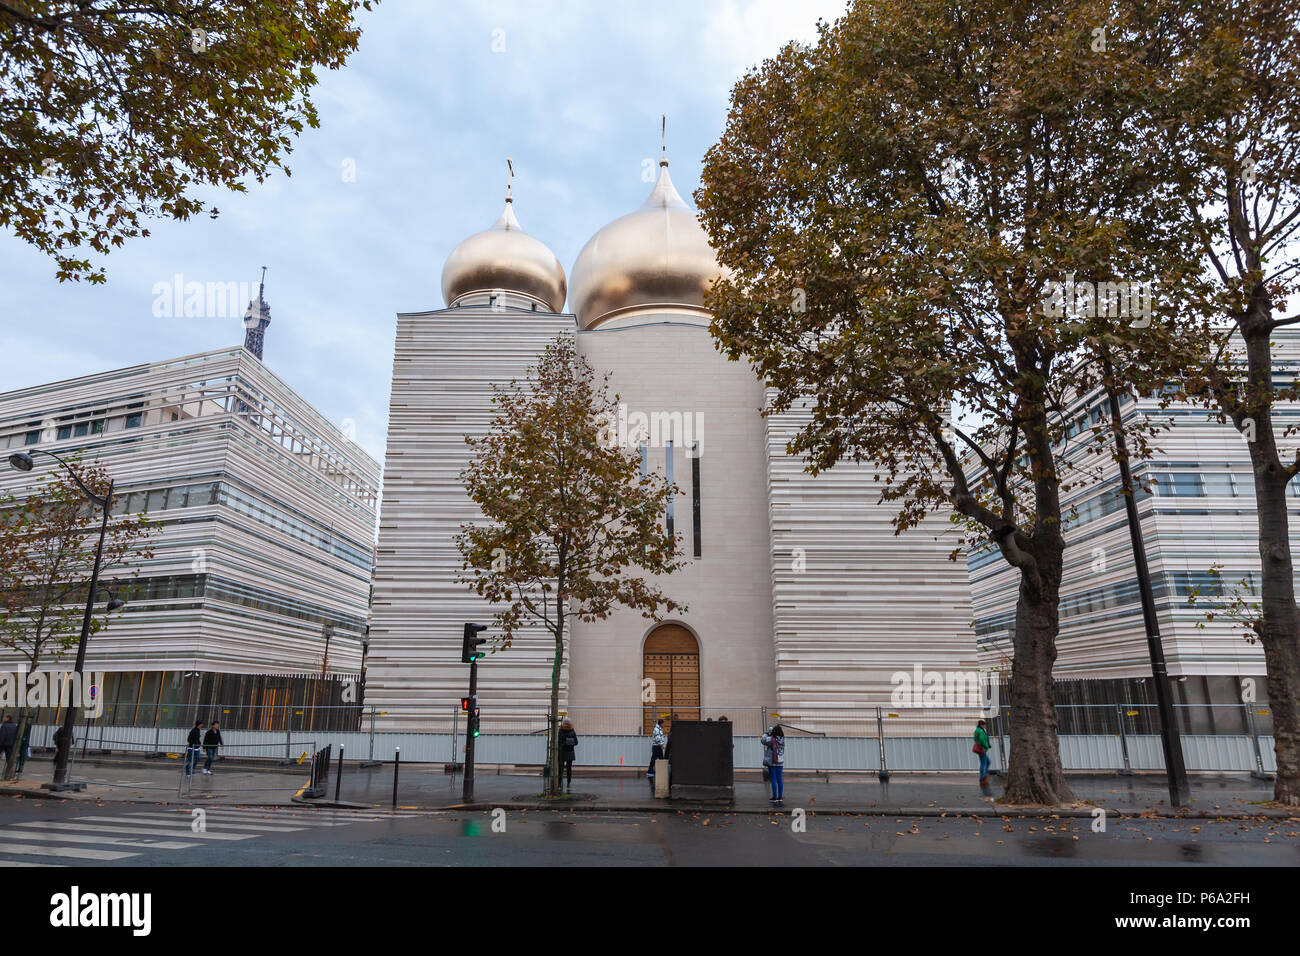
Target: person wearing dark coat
568	744
211	741
8	737
58	737
192	745
25	748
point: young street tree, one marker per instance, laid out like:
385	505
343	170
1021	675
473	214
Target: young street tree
48	540
113	112
894	203
572	530
1224	127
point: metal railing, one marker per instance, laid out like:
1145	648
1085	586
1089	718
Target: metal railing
1121	737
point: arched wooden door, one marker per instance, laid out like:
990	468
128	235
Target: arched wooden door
672	660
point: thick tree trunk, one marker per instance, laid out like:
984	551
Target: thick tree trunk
553	728
1034	772
11	764
553	731
1279	628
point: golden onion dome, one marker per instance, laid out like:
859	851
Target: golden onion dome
656	259
504	259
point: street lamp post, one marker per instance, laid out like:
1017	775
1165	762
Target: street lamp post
23	462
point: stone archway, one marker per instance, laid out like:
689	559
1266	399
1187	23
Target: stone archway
671	658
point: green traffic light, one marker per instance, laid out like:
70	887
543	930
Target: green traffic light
475	733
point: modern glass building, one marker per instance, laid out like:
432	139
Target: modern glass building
260	576
1196	506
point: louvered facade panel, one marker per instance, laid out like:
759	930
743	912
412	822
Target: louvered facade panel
444	366
267	511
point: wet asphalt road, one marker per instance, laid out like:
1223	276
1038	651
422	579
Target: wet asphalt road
43	832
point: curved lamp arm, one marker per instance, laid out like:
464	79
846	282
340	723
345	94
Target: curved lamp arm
22	460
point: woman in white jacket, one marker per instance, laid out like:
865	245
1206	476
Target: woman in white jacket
657	741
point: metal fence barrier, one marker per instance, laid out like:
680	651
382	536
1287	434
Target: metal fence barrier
1102	737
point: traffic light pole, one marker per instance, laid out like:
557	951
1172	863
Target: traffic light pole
467	794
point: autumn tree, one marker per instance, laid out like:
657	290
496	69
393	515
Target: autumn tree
48	540
113	112
900	204
571	530
1221	126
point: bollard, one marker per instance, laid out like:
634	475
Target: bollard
338	780
1123	741
397	765
880	738
1259	773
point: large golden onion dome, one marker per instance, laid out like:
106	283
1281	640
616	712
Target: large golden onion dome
504	259
657	259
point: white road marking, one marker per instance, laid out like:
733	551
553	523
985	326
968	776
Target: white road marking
79	853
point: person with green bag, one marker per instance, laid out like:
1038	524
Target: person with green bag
982	747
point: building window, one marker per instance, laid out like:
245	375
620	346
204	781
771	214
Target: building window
668	467
695	495
81	429
133	420
65	431
31	438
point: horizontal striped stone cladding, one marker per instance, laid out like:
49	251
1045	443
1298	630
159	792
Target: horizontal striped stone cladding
444	366
853	603
1202	515
276	473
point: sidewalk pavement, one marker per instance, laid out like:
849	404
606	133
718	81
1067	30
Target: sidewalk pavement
127	780
427	787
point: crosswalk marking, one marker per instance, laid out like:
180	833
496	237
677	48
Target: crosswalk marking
101	838
127	834
116	830
26	863
80	853
172	820
254	819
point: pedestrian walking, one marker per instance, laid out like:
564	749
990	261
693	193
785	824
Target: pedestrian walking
774	742
25	748
192	745
8	738
981	747
568	744
658	740
211	741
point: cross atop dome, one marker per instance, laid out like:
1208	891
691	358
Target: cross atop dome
504	259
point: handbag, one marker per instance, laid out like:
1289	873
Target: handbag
978	748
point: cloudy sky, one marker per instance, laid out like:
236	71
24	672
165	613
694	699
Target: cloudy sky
425	112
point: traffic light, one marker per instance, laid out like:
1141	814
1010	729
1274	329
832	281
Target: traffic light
464	705
473	723
469	649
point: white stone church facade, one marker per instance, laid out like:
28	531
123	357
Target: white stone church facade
801	599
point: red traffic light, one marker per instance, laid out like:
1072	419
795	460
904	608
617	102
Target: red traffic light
464	705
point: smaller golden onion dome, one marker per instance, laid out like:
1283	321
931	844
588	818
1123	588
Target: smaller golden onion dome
504	259
657	258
